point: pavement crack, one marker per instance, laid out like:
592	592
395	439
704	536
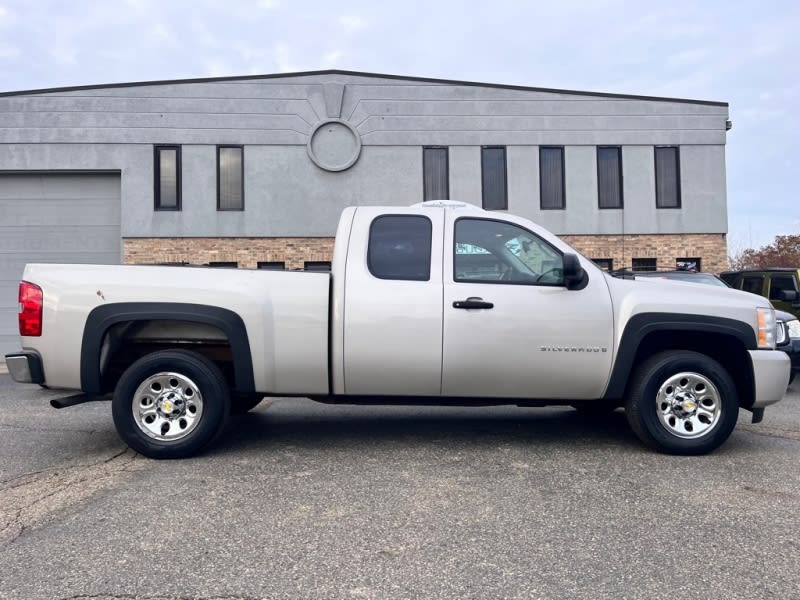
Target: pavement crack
12	527
43	429
34	498
118	454
771	431
24	475
160	597
56	470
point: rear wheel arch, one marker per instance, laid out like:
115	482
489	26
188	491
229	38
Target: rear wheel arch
102	319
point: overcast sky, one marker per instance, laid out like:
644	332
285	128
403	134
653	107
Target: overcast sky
744	53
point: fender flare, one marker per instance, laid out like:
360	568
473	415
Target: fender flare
104	317
641	325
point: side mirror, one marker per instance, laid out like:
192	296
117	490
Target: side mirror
575	278
787	295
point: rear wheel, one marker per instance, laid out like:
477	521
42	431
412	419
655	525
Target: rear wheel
682	402
170	404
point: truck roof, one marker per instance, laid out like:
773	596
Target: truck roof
447	204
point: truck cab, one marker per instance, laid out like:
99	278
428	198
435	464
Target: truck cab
474	304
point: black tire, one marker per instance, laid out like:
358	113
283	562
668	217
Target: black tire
242	403
207	386
671	434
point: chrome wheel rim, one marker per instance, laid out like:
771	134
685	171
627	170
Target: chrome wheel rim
688	405
167	406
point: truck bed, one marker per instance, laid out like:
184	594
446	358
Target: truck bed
286	315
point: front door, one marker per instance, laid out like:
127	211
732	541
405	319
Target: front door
511	327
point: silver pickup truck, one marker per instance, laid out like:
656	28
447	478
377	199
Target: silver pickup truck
436	303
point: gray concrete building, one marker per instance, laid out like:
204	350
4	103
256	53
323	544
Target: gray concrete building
253	171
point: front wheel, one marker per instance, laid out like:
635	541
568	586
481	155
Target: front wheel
170	404
682	402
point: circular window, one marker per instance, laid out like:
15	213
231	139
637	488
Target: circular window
334	145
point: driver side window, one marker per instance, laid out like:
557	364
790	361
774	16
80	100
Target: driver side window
489	251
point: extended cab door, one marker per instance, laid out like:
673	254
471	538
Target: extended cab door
393	303
511	327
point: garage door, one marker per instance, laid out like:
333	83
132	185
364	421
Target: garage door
58	218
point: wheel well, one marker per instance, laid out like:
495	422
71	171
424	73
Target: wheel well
126	342
116	333
727	350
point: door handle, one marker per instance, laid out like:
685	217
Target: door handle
472	303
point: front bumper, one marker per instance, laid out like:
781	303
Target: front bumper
25	367
770	376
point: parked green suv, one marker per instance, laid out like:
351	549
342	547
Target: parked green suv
779	285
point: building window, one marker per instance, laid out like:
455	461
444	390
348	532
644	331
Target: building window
273	265
643	264
551	178
400	247
687	264
607	264
167	177
493	178
224	264
230	178
668	177
609	176
317	265
435	174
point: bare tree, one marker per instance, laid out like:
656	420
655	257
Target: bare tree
783	252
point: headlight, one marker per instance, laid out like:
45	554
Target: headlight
765	317
794	329
782	333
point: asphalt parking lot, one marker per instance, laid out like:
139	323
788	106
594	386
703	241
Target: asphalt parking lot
300	500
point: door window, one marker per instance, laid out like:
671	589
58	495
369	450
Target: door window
489	251
779	284
400	248
753	284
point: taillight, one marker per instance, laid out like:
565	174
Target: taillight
30	309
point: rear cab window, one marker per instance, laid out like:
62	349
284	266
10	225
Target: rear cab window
400	247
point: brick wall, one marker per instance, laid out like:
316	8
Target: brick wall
247	252
712	248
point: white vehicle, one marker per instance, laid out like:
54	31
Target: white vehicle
440	302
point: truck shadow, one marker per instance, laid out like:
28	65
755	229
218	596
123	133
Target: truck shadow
304	424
